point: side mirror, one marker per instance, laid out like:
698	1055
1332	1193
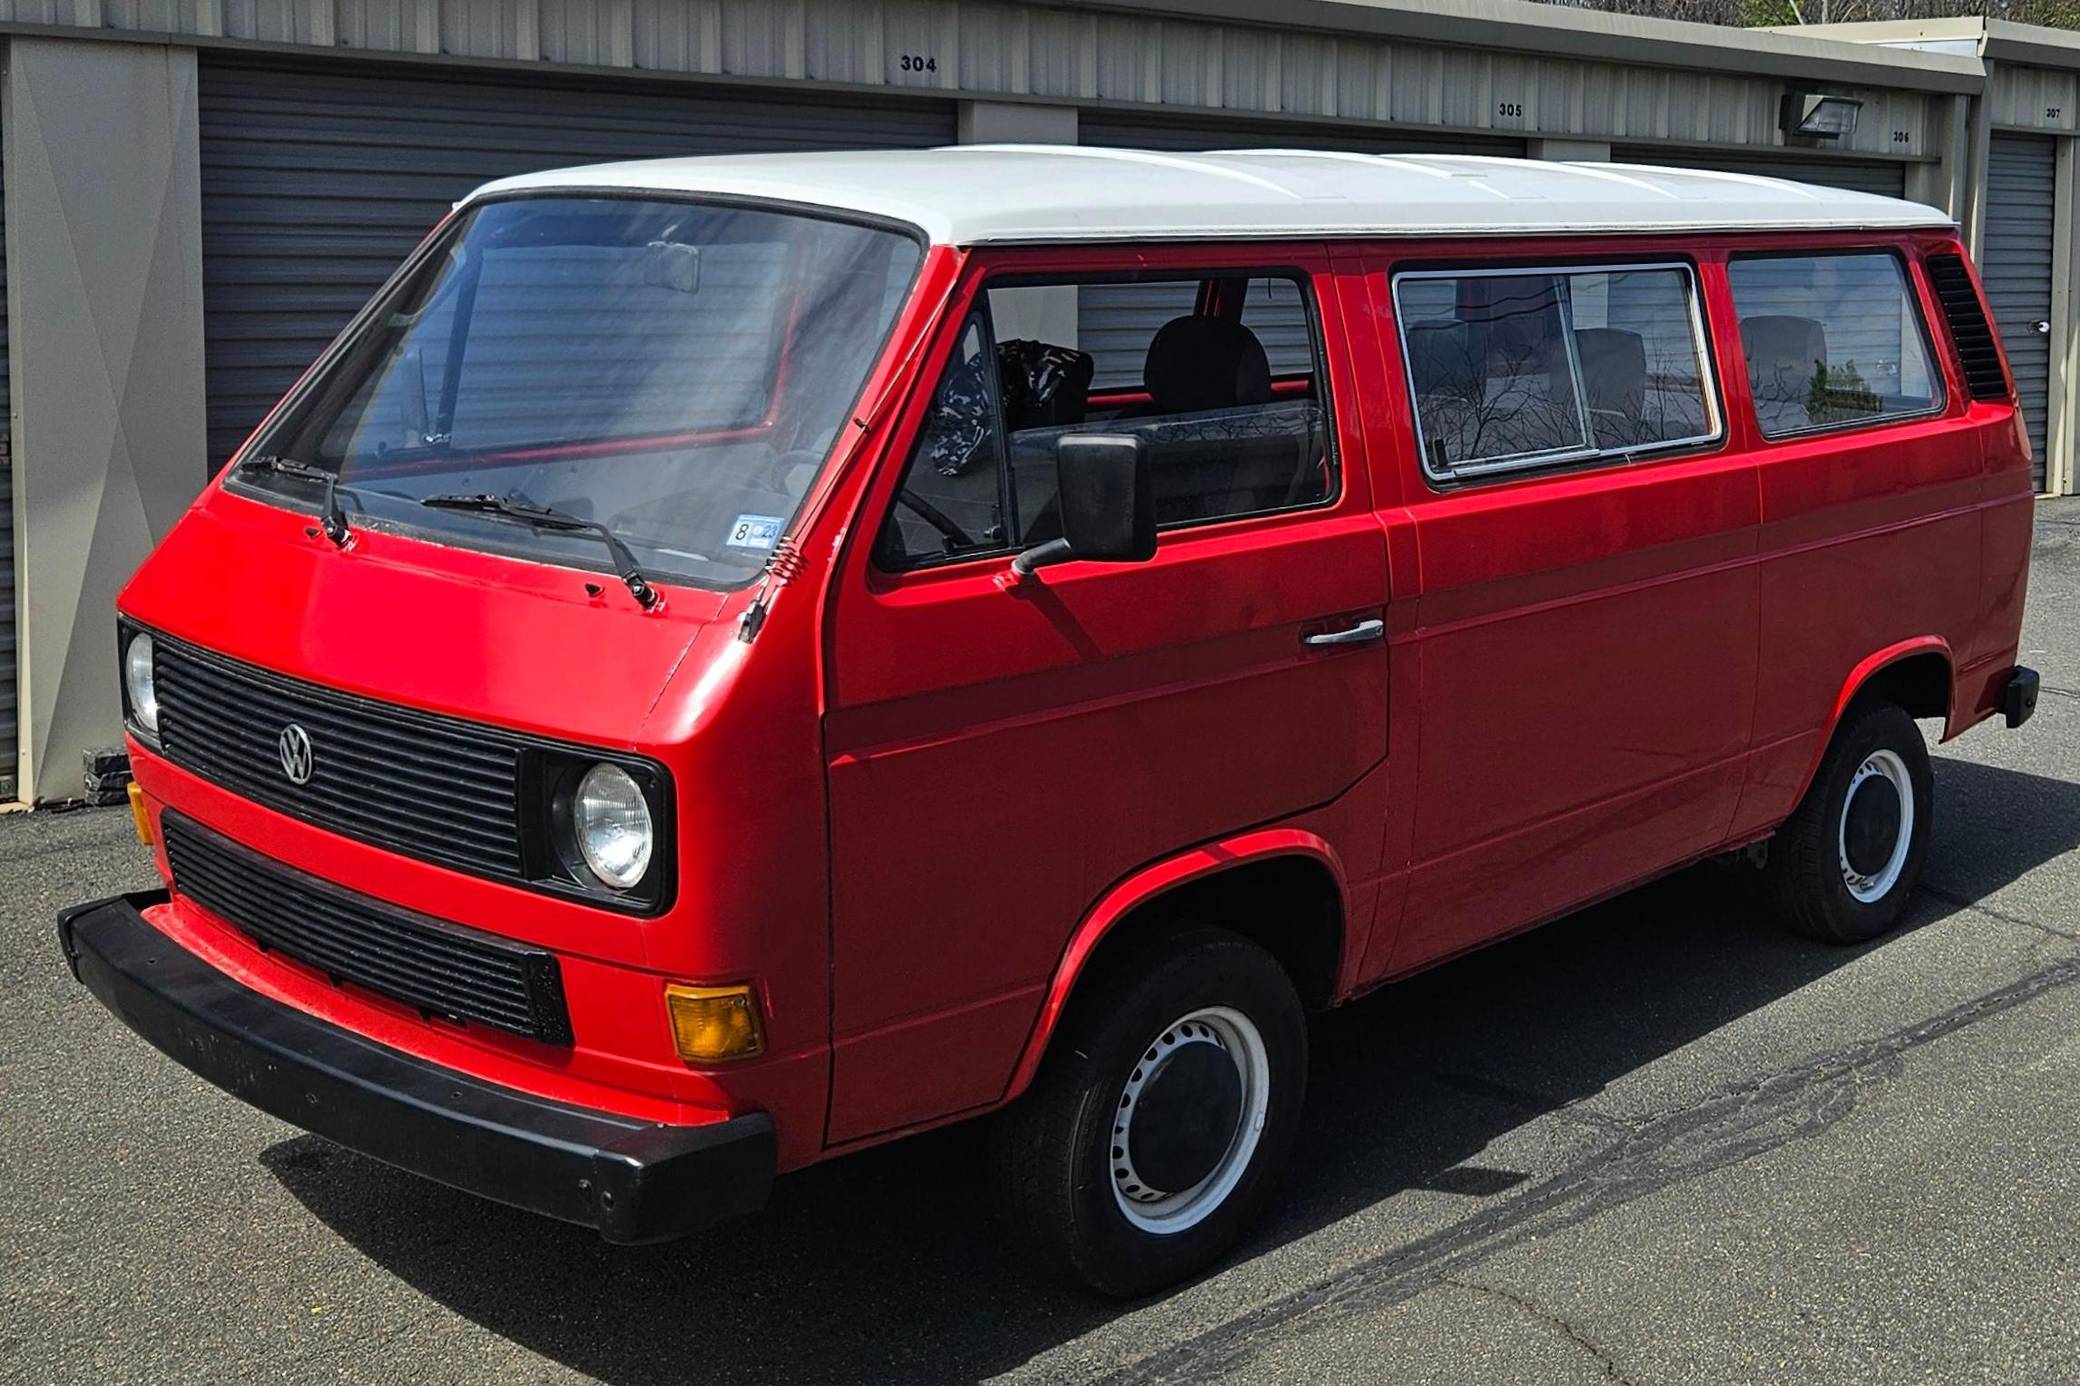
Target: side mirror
1107	500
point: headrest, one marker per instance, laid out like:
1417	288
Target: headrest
1781	344
1197	363
1614	367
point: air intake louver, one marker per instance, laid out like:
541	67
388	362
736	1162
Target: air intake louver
440	968
1969	329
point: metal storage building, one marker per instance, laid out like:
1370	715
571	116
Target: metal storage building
195	194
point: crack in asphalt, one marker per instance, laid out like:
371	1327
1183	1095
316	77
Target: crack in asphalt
1552	1320
1963	902
1735	1124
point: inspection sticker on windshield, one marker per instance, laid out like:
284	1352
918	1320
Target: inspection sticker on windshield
754	531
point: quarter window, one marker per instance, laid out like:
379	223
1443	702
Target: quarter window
1517	368
1218	376
953	501
1831	341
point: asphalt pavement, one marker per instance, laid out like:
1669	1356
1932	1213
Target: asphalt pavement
1660	1141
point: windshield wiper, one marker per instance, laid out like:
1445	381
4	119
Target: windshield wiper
548	517
332	515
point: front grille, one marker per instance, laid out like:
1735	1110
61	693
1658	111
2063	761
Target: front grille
440	968
430	787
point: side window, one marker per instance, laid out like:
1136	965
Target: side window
1831	340
1114	323
1219	377
952	501
1517	368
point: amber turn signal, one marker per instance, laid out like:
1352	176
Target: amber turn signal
139	816
712	1024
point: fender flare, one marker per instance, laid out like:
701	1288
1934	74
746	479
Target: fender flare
1877	662
1868	668
1140	887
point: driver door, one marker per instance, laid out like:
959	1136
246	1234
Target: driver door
999	753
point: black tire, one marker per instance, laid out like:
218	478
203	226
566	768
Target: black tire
1812	857
1055	1148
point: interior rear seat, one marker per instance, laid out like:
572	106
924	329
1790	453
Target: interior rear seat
1784	353
1614	377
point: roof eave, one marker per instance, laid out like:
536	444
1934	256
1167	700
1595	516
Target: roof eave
1548	30
2031	45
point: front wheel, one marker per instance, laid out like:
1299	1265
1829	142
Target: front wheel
1168	1101
1841	868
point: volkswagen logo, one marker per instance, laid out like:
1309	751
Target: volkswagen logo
295	748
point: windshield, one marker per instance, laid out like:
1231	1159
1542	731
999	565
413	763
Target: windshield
674	371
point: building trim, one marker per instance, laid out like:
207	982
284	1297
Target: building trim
1589	35
105	363
2062	405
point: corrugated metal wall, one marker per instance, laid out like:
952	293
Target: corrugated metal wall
2016	266
317	181
1640	89
1886	178
9	722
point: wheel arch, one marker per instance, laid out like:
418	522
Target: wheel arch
1214	883
1917	673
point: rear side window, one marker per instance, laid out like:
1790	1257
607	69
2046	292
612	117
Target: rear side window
1219	377
1832	341
1519	368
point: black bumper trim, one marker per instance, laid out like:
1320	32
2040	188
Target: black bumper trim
2019	696
634	1181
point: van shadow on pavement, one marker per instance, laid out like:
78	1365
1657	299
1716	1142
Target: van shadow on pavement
886	1264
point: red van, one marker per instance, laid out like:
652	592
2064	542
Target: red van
730	661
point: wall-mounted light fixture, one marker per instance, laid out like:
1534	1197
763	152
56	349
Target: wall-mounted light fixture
1810	116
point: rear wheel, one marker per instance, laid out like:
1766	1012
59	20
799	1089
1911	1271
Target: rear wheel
1156	1127
1841	868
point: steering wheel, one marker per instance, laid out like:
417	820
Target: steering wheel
935	517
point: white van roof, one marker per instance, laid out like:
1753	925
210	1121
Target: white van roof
972	194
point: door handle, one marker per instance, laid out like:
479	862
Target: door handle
1362	633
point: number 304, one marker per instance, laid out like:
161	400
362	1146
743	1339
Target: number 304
918	62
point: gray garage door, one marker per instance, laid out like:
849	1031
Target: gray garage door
8	732
1184	130
1886	178
1115	321
2016	267
317	181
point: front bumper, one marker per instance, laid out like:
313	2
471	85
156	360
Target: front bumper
635	1181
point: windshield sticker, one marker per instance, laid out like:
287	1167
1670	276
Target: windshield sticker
754	531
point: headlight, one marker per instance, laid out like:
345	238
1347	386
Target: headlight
612	824
137	683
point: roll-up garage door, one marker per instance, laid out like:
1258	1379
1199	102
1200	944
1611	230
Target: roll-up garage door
1114	323
1884	177
317	181
2016	267
9	732
1176	130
